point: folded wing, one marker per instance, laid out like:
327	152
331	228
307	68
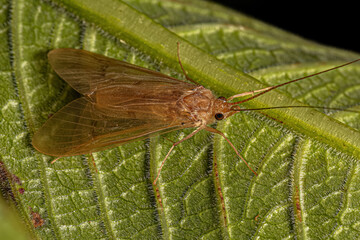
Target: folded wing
88	72
80	128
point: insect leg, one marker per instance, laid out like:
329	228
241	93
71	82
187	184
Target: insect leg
53	161
93	161
168	139
182	68
236	151
92	158
172	147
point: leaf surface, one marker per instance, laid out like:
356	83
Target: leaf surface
306	159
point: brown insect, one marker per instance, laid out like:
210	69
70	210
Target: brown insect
123	102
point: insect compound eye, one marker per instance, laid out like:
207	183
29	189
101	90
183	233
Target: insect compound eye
219	116
222	98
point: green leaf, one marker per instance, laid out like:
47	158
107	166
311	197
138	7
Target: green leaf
10	226
306	159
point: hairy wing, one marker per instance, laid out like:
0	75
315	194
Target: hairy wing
89	72
81	128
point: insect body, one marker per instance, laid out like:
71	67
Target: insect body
122	102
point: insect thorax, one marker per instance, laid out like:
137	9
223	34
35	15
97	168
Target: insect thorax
197	105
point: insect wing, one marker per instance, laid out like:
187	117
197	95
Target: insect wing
122	102
88	72
80	128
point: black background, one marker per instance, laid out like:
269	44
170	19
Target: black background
334	23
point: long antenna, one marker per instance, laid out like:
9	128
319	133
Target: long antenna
295	80
238	109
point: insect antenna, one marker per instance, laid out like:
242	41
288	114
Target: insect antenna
260	92
268	89
238	109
